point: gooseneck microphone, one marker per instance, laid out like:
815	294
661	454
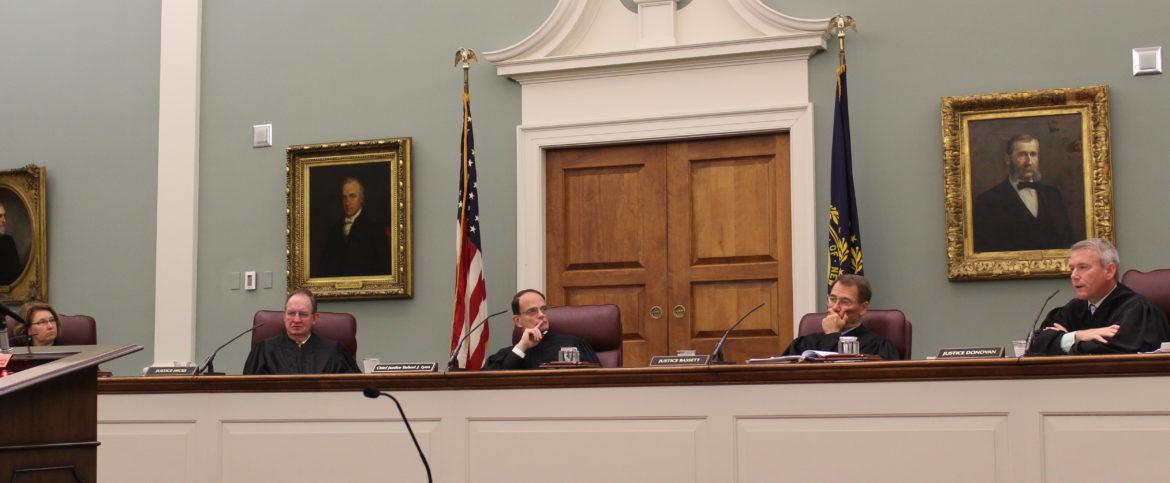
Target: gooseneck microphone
373	393
453	361
4	342
717	354
207	368
1028	342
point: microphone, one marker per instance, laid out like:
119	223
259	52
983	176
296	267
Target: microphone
373	393
207	368
717	354
1028	342
4	346
453	361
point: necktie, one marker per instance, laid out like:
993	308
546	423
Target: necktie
1025	184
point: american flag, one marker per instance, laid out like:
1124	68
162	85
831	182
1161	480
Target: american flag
470	288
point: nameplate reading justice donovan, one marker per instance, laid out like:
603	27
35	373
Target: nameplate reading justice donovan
406	367
679	360
970	353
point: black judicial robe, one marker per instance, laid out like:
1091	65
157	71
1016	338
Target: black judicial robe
870	342
547	350
280	355
1143	325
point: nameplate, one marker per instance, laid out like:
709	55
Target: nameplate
679	361
406	367
170	371
970	353
350	285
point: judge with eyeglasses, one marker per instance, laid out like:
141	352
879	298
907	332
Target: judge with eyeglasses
299	350
43	325
537	345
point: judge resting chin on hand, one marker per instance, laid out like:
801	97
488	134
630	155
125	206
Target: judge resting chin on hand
847	302
537	345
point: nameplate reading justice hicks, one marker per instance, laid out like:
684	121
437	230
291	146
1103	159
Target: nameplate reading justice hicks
970	353
406	367
679	361
170	371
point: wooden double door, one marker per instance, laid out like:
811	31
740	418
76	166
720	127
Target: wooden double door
684	236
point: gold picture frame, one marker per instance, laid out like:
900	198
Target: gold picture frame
992	232
24	273
349	219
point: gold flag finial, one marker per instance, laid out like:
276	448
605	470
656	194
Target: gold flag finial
465	56
840	23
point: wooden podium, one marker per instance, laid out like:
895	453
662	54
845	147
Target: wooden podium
48	412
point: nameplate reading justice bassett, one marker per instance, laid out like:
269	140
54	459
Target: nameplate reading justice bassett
679	360
970	353
406	367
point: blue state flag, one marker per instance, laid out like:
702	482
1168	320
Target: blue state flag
844	229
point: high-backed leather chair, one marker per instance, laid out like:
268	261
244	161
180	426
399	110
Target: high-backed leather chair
74	330
889	323
599	325
1153	285
337	326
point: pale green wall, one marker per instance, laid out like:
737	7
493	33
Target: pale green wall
903	59
336	71
78	93
79	96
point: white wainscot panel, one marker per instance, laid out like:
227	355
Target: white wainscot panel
1084	447
146	451
315	451
872	448
585	450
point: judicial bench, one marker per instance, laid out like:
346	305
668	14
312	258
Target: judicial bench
1091	418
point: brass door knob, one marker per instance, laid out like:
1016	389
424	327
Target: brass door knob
656	312
679	311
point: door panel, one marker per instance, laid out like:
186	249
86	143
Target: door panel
606	231
730	244
699	225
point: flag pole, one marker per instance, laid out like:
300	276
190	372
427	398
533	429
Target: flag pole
463	58
844	244
840	23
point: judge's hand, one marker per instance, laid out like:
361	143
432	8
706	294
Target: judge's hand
529	338
1102	334
1057	328
833	322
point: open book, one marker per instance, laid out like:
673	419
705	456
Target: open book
814	356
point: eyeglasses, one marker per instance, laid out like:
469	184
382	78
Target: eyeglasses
49	320
531	312
294	314
843	301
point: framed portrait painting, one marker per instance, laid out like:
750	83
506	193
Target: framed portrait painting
349	219
23	270
1026	175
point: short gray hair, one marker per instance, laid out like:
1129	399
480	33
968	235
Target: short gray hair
1103	248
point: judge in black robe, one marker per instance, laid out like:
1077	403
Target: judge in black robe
848	301
280	355
1142	325
869	341
548	350
537	345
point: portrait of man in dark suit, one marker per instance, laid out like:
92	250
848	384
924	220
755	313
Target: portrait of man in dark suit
16	236
1022	212
10	266
355	240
